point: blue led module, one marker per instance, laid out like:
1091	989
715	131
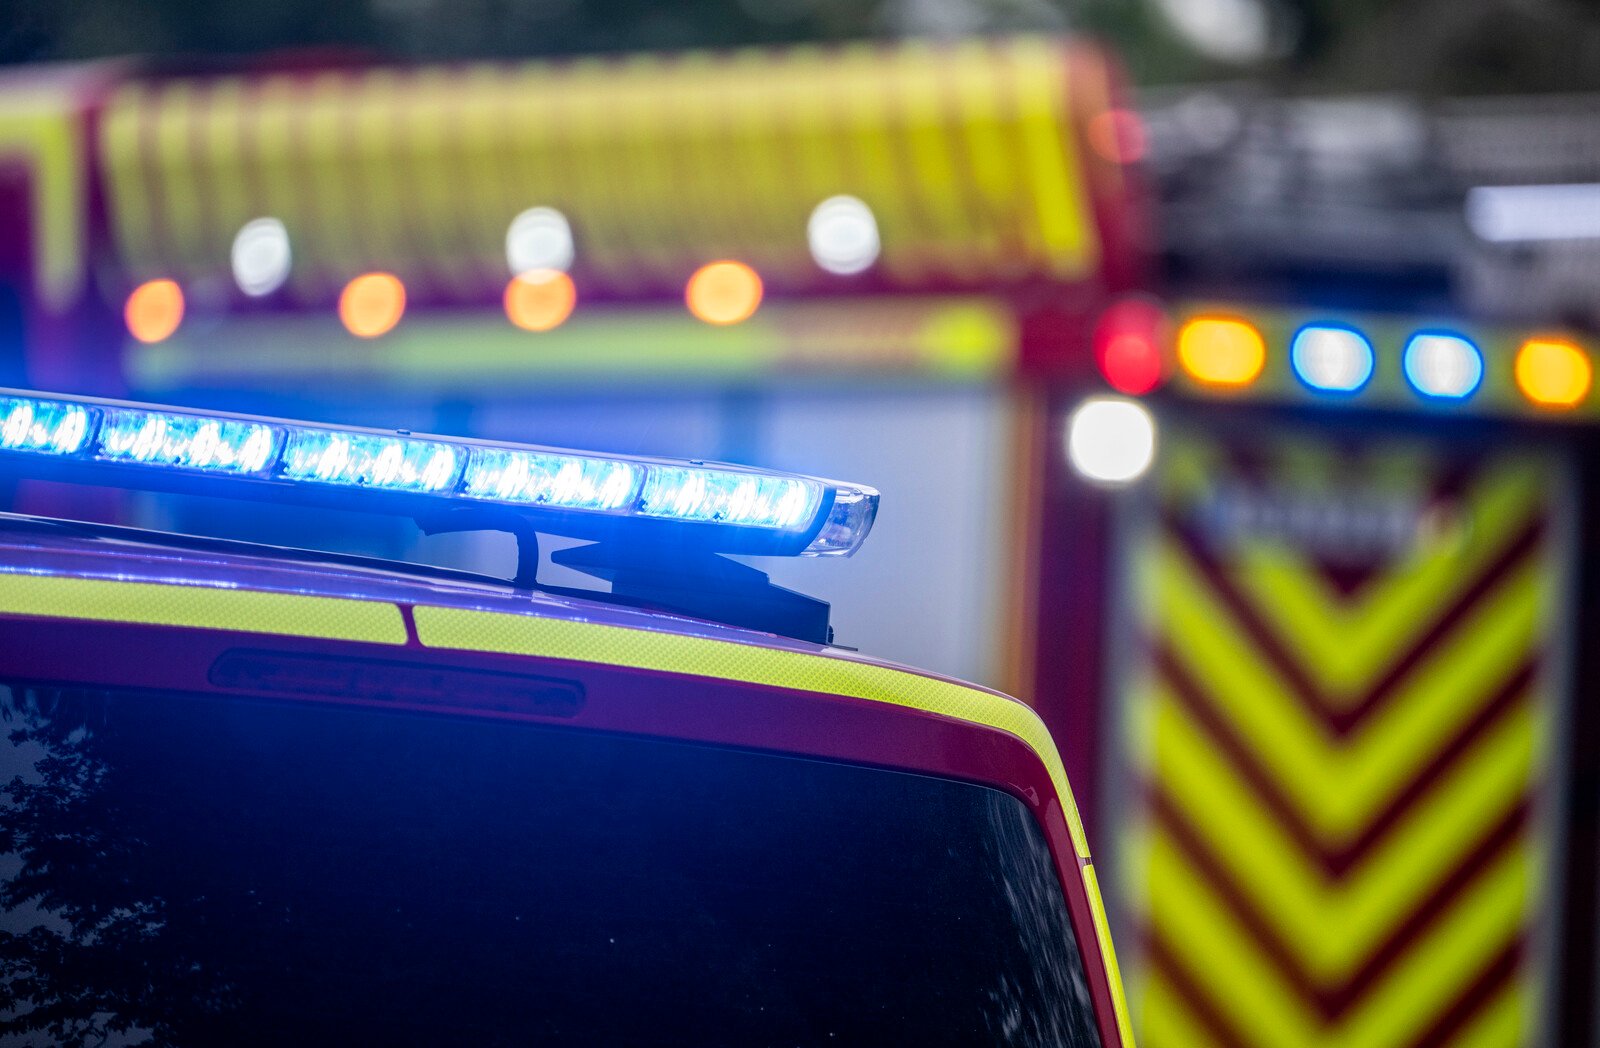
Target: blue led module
1443	365
365	460
540	479
1331	359
49	426
729	497
186	441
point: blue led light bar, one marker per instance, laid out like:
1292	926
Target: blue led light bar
714	508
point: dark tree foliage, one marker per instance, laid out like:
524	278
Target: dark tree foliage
98	960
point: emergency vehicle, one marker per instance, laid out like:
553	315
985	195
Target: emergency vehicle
252	794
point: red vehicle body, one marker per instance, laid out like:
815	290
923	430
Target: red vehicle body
89	607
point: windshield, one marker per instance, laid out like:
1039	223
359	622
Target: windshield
195	870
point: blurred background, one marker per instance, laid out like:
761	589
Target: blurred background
1226	367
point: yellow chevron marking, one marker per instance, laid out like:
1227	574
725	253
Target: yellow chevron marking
42	125
128	194
1386	749
1487	918
1165	1020
277	162
432	95
1218	956
172	134
939	185
978	93
1332	926
1051	160
374	131
1352	643
333	197
484	164
1221	959
230	204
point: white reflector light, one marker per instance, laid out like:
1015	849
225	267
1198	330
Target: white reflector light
1111	440
843	235
261	257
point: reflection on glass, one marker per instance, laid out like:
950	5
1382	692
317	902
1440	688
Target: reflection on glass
210	871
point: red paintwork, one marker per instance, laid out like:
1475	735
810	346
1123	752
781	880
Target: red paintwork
617	699
1068	620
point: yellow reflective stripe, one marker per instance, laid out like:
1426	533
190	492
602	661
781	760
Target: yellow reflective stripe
1108	954
749	664
955	339
202	607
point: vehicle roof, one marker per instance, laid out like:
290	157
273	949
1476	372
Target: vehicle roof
46	546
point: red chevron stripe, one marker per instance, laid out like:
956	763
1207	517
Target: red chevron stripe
1519	549
1494	975
1332	1003
1270	645
1474	998
1159	956
1208	715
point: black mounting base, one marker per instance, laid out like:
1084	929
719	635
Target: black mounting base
704	585
675	579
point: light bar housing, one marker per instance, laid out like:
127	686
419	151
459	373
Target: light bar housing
671	504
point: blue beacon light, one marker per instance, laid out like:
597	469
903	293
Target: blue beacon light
719	508
1330	358
1442	365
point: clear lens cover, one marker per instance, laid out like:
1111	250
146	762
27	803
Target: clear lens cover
848	524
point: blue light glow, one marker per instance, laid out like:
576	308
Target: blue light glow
731	509
550	480
365	460
42	425
727	497
1442	365
1332	359
186	441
